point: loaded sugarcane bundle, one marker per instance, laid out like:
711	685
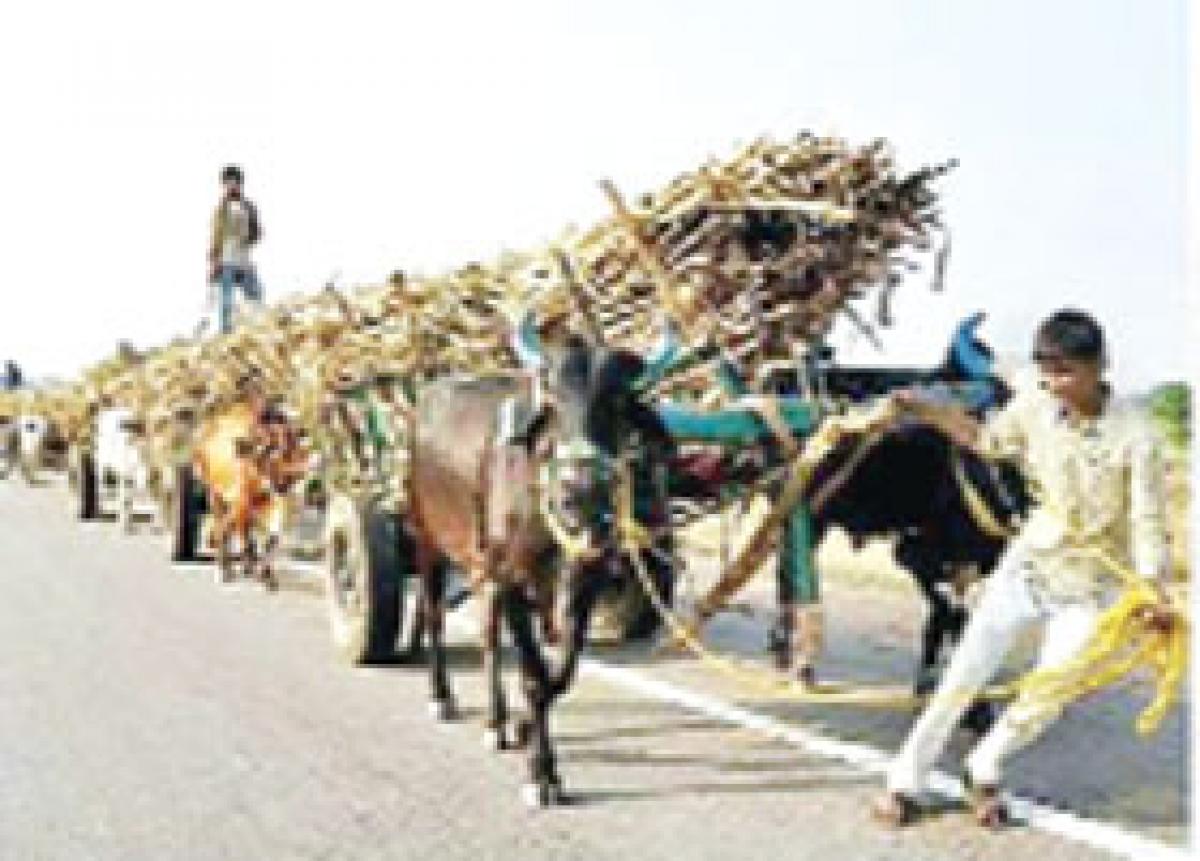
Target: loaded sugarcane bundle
755	257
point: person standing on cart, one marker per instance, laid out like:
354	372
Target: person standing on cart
235	230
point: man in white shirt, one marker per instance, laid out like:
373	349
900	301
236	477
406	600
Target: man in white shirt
235	230
1093	464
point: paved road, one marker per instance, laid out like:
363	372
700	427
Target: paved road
146	713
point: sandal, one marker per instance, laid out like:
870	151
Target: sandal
988	808
895	810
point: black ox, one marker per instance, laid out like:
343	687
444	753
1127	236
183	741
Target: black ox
917	487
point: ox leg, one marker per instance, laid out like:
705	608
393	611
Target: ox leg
920	560
801	622
943	627
781	637
270	549
544	787
249	550
497	719
222	529
781	634
416	582
937	625
433	582
276	519
125	502
580	601
964	576
547	610
416	632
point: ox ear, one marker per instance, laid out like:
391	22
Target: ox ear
526	344
661	358
968	352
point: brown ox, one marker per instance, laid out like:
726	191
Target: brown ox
476	502
248	457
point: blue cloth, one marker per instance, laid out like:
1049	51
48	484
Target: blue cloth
229	279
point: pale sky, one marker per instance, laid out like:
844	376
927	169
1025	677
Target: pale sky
424	135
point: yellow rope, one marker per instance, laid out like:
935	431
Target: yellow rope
1123	642
635	537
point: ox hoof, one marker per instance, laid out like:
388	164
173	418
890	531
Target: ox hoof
411	657
542	795
979	718
442	710
925	682
524	734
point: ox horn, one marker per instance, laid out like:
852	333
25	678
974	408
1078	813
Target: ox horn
526	344
662	356
968	352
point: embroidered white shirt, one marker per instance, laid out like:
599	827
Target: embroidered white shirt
1098	486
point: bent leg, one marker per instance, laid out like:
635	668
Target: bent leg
1067	632
1004	611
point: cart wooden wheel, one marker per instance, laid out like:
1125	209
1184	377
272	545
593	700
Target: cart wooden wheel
365	574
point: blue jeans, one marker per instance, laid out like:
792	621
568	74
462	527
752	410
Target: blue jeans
229	279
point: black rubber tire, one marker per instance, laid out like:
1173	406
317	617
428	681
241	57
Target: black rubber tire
185	512
366	561
88	490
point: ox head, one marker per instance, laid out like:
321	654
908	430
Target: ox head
596	414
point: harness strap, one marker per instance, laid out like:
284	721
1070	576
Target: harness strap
979	510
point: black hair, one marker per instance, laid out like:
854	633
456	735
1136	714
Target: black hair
231	171
1069	334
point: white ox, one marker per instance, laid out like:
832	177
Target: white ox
122	473
32	431
25	443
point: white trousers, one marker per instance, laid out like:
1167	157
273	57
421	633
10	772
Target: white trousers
1010	606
